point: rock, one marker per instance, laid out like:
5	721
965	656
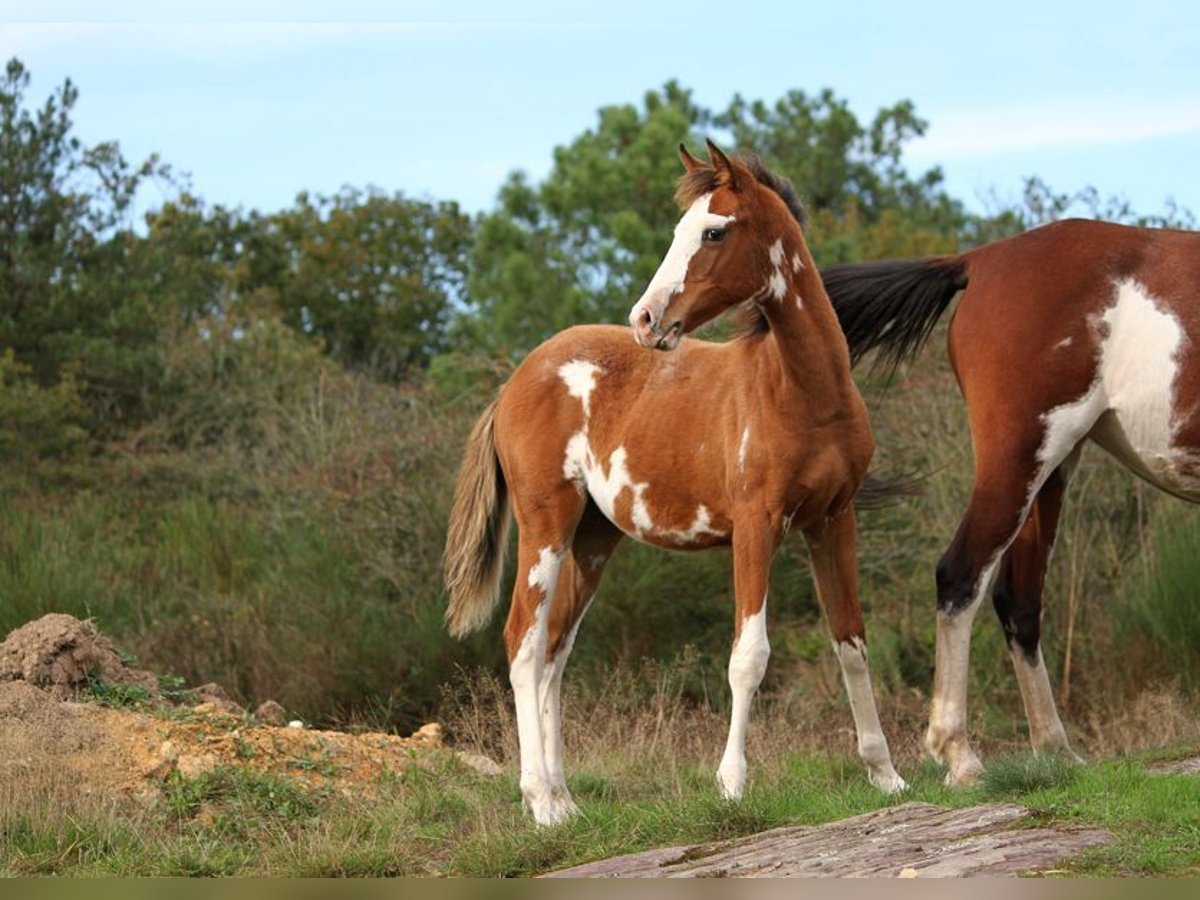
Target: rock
430	734
482	764
913	840
271	713
212	697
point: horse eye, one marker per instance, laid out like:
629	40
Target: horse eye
713	235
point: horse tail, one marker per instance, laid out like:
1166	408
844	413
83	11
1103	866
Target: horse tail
477	536
893	305
877	491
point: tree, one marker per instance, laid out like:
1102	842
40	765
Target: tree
849	175
581	245
64	231
374	276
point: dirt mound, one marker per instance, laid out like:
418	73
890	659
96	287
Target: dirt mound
62	655
49	737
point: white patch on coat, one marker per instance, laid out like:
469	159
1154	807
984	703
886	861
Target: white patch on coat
543	573
579	375
1065	342
747	664
742	448
672	271
872	745
777	284
1138	368
797	263
581	467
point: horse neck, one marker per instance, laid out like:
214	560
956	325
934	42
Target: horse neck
804	330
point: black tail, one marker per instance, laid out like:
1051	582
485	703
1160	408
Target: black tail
892	305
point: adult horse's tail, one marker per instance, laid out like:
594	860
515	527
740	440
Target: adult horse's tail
893	305
477	537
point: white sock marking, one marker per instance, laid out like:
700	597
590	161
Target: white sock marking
747	663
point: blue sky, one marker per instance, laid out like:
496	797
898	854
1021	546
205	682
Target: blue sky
256	111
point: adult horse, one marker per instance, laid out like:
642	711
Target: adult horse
1075	330
710	445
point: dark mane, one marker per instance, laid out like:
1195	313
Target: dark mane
705	179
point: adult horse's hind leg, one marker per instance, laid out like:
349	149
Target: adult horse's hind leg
1010	470
834	560
594	541
546	527
1018	602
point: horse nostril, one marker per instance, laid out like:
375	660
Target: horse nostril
645	319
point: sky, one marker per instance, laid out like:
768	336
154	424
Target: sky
255	110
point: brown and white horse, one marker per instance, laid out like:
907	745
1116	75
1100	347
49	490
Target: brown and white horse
1076	330
593	437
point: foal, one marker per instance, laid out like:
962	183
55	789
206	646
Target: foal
1077	330
710	445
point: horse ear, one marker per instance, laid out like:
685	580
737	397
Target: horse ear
723	165
690	163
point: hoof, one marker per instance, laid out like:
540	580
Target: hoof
888	781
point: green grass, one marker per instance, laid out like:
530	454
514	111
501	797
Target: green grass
443	819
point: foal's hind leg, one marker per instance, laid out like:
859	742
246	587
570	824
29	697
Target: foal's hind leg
594	541
546	529
833	550
1018	602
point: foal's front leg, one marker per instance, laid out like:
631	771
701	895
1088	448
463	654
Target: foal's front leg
834	560
754	543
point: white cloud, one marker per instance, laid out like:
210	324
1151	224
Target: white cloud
979	133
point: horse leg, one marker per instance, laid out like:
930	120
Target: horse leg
544	537
1005	484
833	548
1018	602
594	541
753	545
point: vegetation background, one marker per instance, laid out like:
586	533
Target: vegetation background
230	436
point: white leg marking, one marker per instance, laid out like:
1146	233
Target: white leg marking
742	448
946	738
579	375
1046	730
525	673
872	745
550	694
747	663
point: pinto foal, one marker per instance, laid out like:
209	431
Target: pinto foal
709	445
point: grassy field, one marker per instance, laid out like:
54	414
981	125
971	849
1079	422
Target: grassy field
642	772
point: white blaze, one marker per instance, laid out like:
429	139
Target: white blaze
671	272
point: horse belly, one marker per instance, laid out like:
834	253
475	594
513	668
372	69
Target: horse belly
1167	465
659	514
1140	372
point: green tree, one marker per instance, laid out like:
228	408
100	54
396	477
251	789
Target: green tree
64	236
374	276
850	175
580	246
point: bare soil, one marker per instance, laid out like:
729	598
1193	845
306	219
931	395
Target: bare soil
50	668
